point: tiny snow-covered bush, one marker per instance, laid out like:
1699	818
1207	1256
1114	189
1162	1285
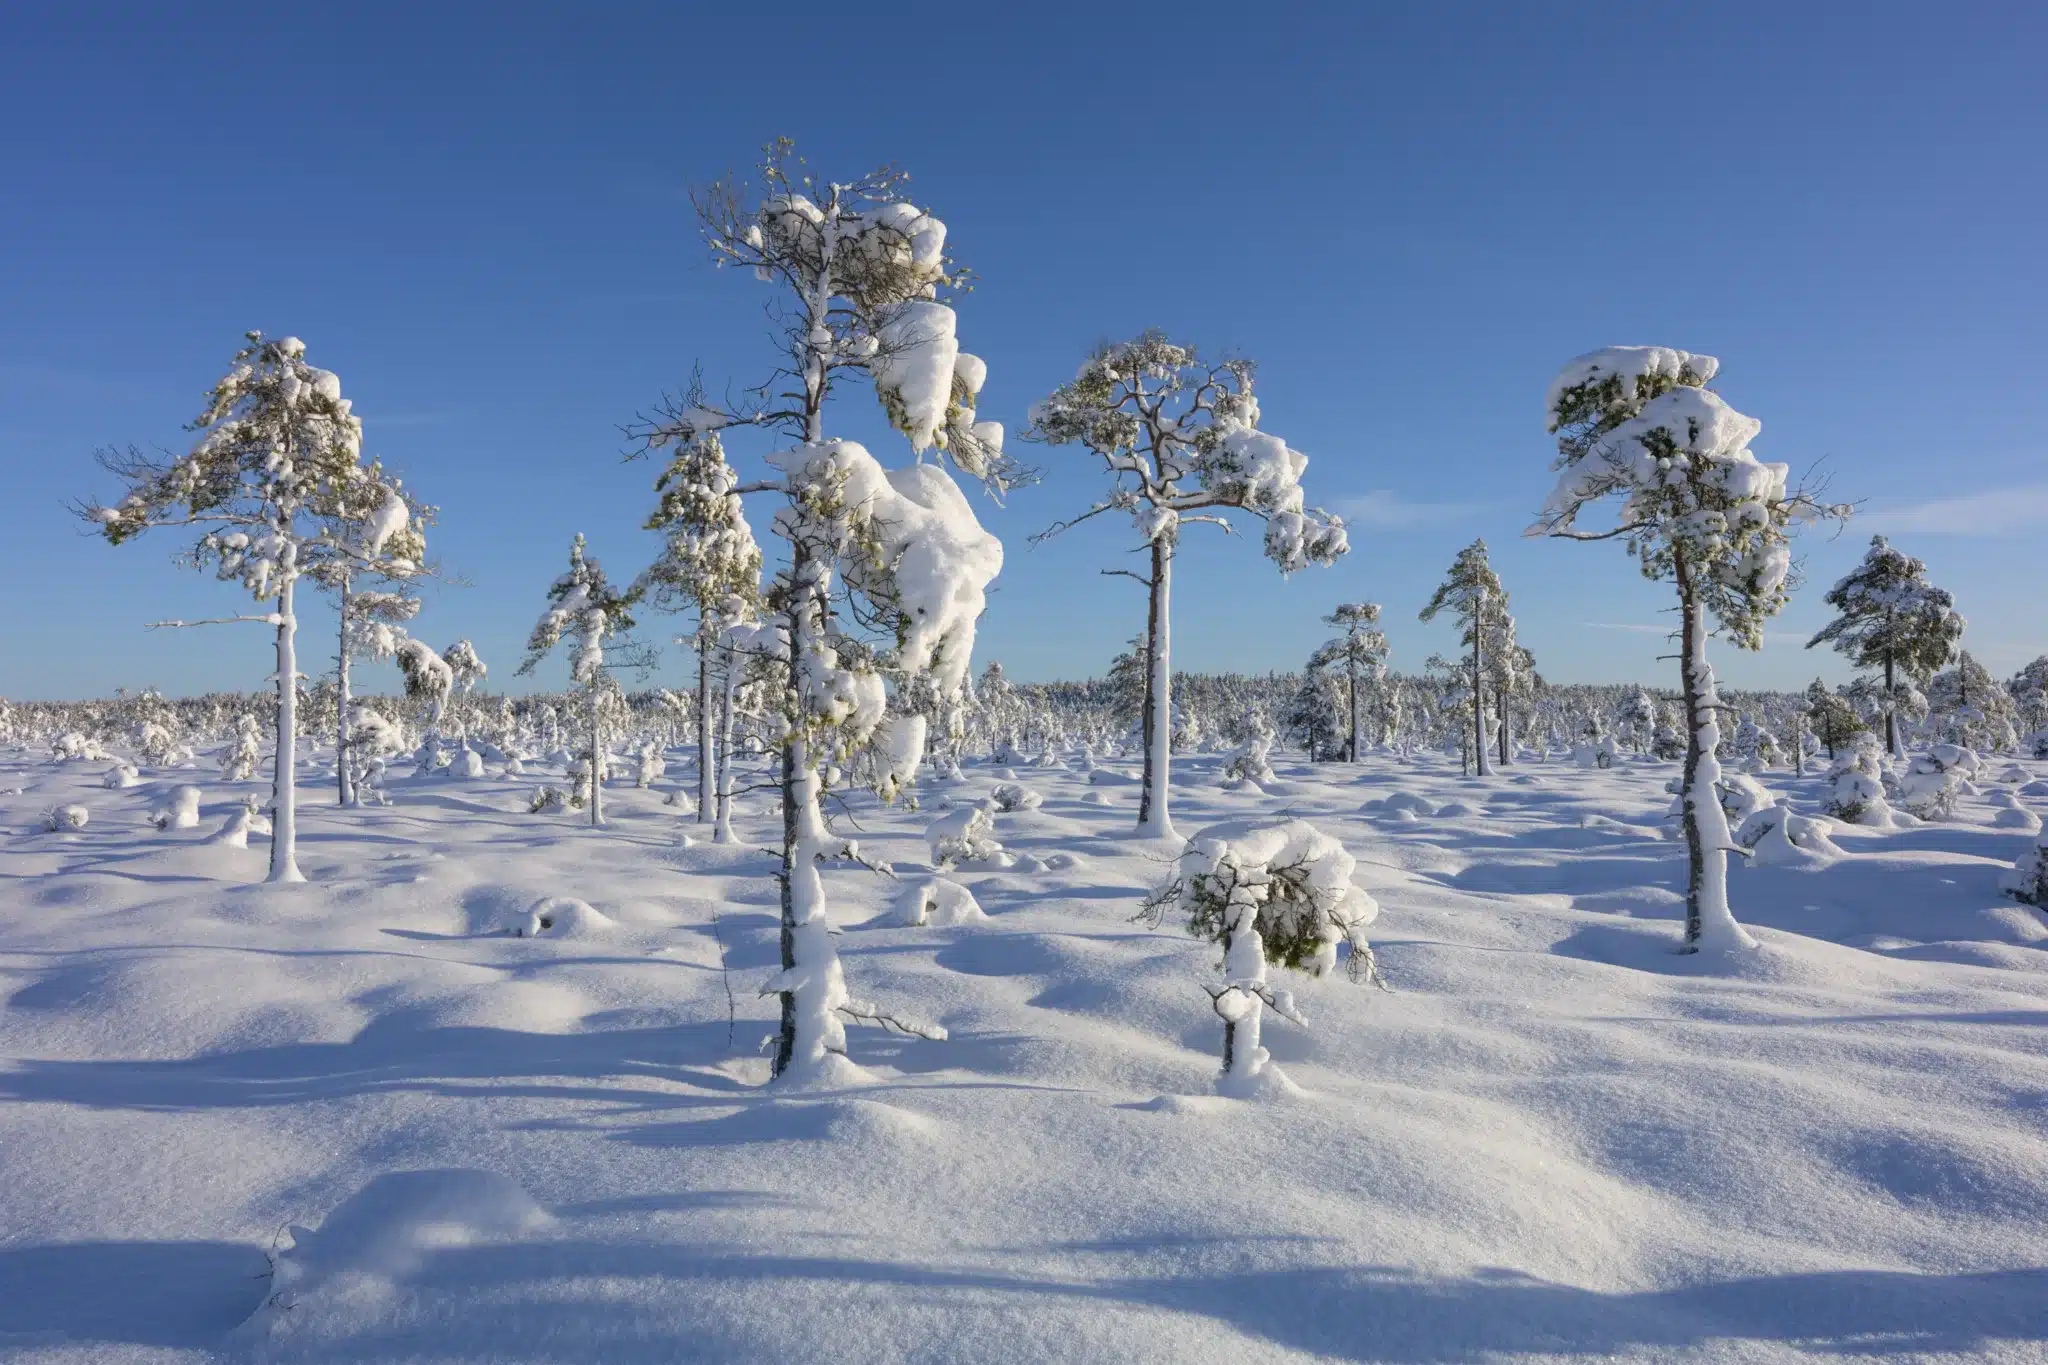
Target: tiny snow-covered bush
120	775
239	759
2028	879
1010	796
650	766
1934	779
1856	784
465	764
178	810
236	829
1251	761
60	818
684	803
546	800
964	834
1595	751
936	901
73	747
1776	835
1741	797
155	745
1268	893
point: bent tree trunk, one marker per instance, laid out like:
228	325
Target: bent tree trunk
1155	821
1709	923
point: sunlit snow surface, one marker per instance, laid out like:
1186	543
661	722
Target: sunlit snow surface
1553	1139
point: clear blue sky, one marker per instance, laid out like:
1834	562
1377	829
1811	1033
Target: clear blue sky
1409	216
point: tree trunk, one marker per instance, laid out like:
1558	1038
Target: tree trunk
596	751
284	800
1351	680
1500	700
1709	922
344	779
1483	763
724	834
785	1038
1892	745
1155	820
706	753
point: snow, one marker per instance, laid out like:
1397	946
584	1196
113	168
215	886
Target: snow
1554	1138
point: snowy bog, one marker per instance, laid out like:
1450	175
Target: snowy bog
383	1115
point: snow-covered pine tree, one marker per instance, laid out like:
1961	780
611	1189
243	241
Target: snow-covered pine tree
1360	654
1893	621
1973	708
1833	720
1181	442
862	270
2029	688
1314	715
708	559
588	610
276	438
373	551
1699	511
1637	717
1472	590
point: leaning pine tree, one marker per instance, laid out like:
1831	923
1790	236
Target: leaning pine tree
709	565
1892	621
1472	590
1699	511
860	270
588	611
276	439
1180	438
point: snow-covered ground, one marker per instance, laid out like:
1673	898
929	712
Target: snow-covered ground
1552	1139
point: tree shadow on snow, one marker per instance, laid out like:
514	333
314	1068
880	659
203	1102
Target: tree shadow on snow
165	1294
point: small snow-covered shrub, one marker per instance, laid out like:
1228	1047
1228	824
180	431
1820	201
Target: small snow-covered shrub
1856	784
178	810
466	764
76	747
546	800
2028	879
964	834
239	759
1741	797
1010	797
650	766
1776	835
1251	761
936	901
61	818
1273	893
1934	780
120	775
684	803
155	745
1595	751
235	831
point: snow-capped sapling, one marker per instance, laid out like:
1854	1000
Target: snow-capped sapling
1273	893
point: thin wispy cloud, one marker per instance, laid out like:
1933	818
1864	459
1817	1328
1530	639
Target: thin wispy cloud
1996	512
1388	510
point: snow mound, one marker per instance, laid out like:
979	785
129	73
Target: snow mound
350	1269
560	917
938	902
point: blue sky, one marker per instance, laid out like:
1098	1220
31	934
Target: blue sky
1410	217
